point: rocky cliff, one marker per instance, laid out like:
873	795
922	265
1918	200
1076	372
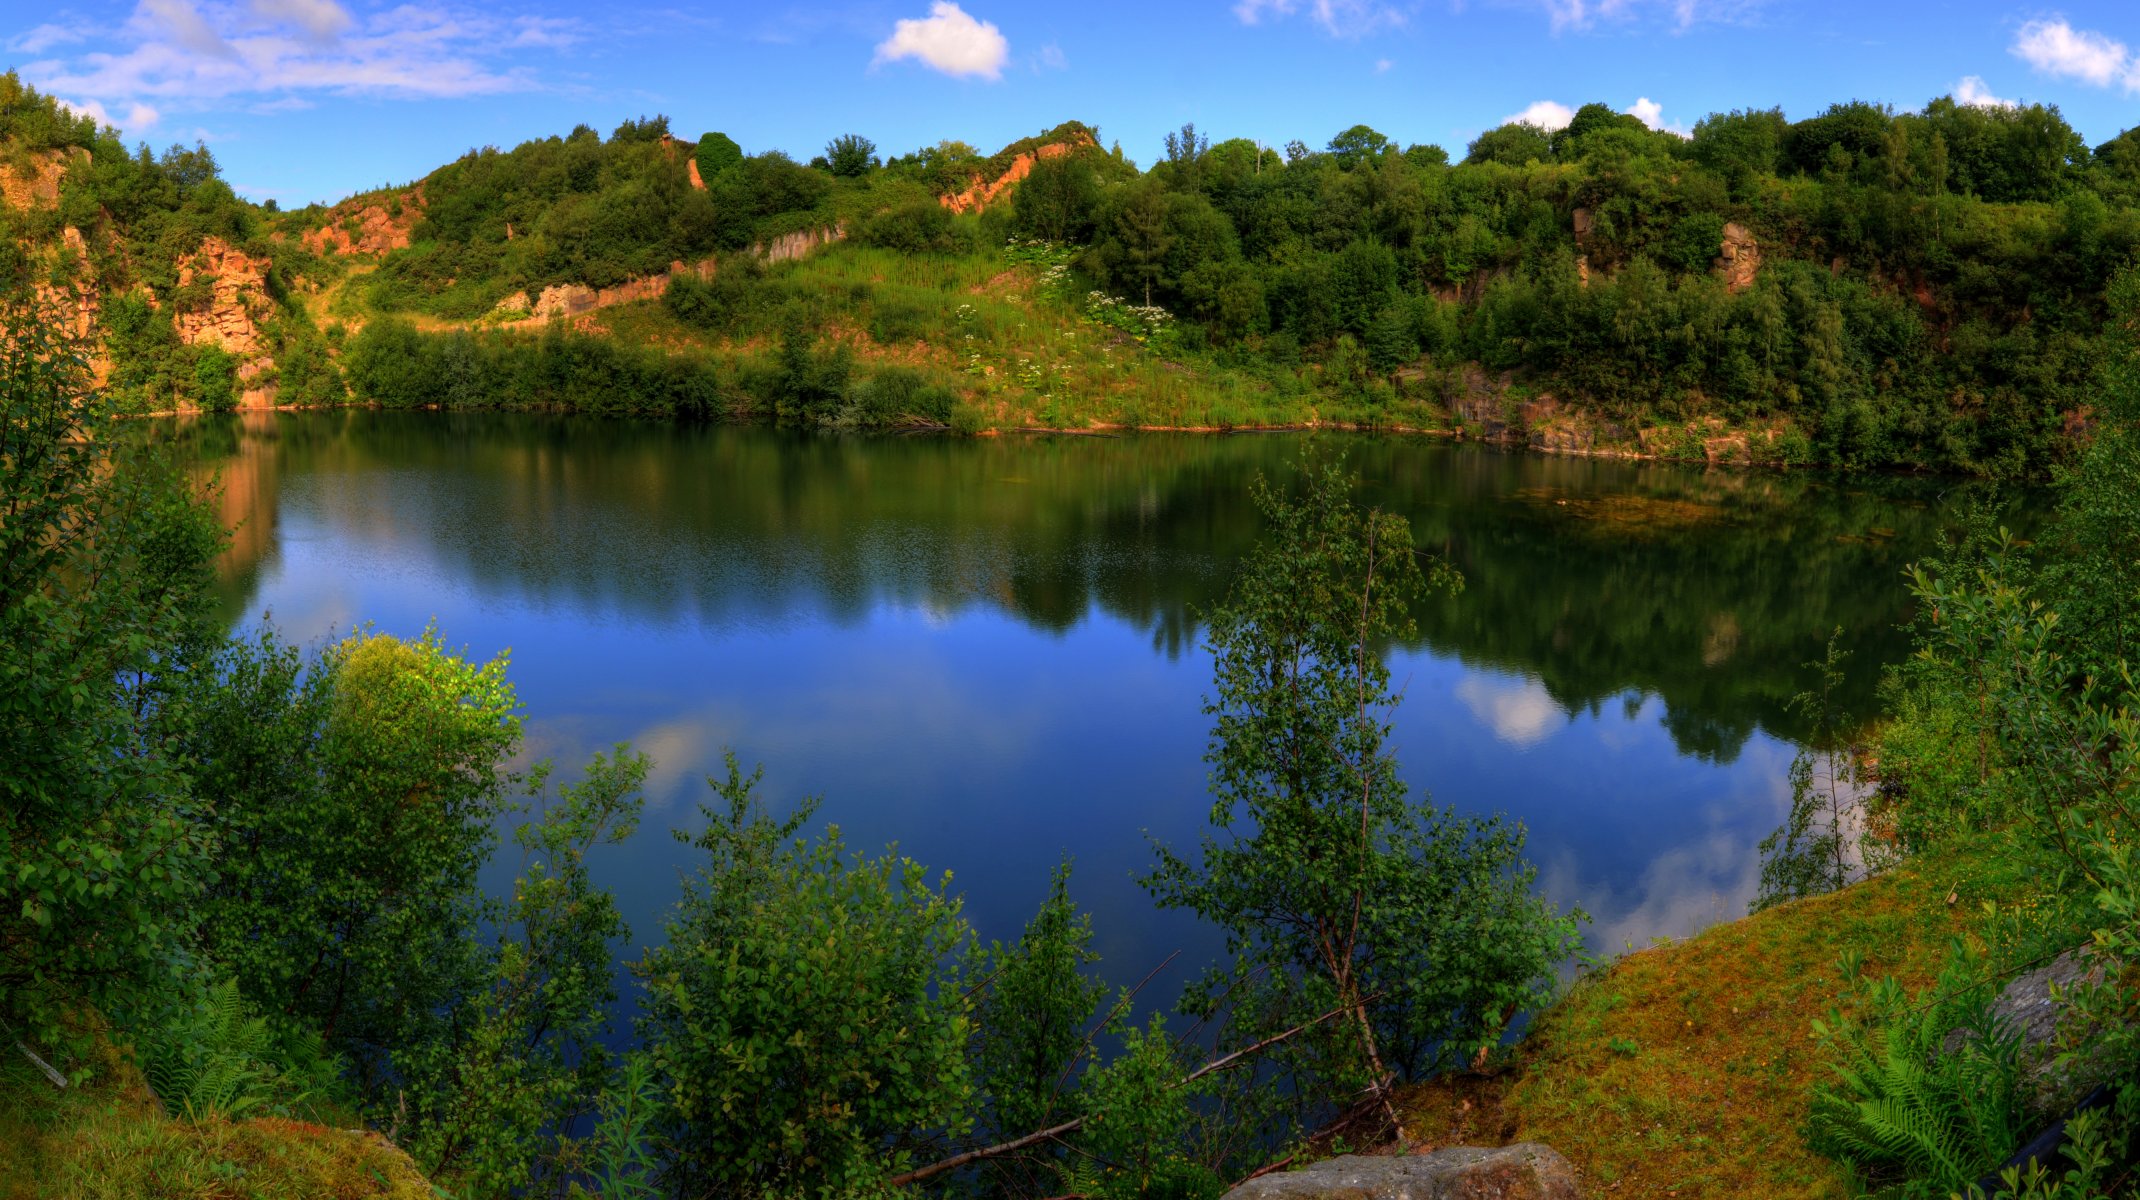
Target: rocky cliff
1738	261
373	226
234	299
569	300
34	183
984	192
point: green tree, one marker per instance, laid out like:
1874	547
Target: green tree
103	560
802	1034
355	795
1515	144
1058	200
717	154
850	155
1337	891
1358	145
527	1055
215	379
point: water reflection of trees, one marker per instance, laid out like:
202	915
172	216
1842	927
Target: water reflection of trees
1708	589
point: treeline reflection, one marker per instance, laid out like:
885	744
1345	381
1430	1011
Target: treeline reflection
1707	589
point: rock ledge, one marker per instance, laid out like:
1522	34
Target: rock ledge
1525	1171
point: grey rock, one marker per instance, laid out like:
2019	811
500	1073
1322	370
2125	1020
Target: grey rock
2026	1006
1525	1171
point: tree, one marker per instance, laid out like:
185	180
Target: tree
1357	145
1515	144
1186	149
215	379
642	129
717	153
1335	889
1057	200
850	155
1138	239
529	1050
799	1032
103	559
355	796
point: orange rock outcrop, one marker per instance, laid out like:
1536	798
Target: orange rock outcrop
986	192
1738	261
37	185
378	229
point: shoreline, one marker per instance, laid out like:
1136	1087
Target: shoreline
1115	430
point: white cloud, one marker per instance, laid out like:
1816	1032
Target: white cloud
1382	65
950	41
1651	113
180	22
139	117
2057	48
1339	18
43	37
1684	14
1052	59
267	55
1546	114
1520	712
323	19
1973	92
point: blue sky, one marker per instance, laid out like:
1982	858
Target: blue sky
312	99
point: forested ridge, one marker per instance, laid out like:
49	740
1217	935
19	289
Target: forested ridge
1861	286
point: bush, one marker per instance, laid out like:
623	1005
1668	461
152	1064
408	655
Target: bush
798	1026
922	227
897	395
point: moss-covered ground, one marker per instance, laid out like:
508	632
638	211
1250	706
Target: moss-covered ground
1685	1070
110	1139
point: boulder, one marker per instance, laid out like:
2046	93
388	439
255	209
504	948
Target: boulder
1525	1171
2026	1006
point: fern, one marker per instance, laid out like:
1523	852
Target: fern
1901	1104
213	1062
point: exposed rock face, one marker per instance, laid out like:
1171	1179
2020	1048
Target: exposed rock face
569	300
798	245
1526	1171
378	229
37	186
984	192
238	293
2027	1006
1738	260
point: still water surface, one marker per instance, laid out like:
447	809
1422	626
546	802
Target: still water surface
986	651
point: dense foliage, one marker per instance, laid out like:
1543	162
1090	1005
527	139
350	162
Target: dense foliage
1338	892
2013	726
1919	288
274	901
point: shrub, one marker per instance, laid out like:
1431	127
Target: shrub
798	1027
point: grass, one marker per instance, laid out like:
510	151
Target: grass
1686	1069
109	1139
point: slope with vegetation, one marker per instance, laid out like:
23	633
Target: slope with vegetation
1857	287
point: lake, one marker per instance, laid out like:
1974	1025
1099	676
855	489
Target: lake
987	650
